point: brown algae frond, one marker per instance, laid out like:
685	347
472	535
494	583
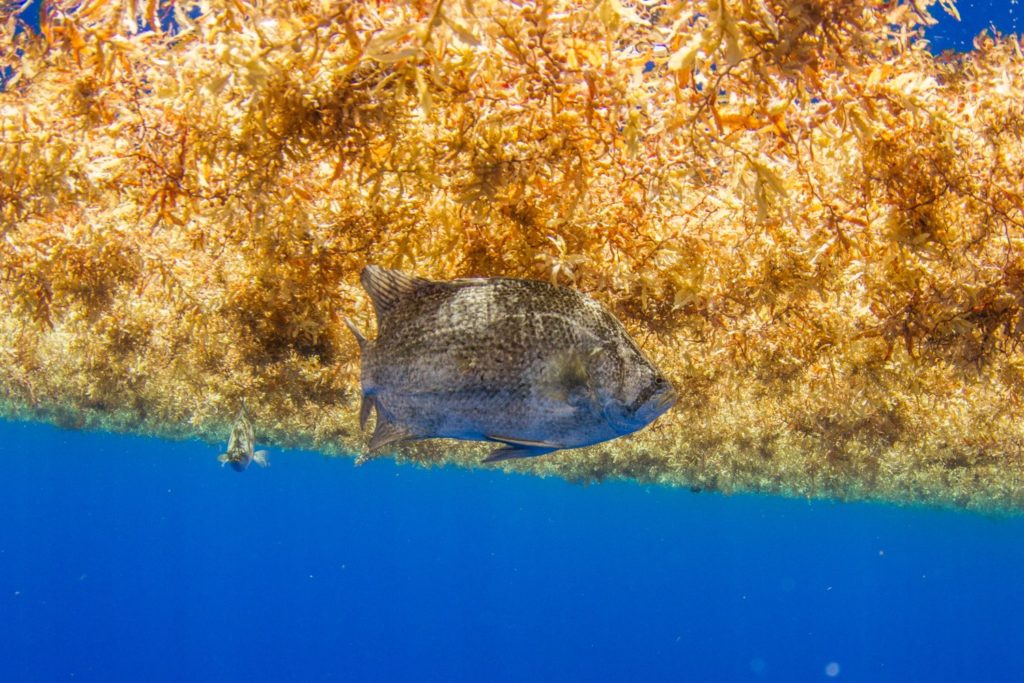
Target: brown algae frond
812	224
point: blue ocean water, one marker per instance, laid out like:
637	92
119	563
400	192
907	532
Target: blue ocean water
975	16
124	558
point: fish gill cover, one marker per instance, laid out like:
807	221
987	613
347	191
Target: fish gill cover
811	223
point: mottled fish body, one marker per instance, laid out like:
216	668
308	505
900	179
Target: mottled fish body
527	364
240	451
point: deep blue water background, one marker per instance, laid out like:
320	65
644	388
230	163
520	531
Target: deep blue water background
127	558
123	558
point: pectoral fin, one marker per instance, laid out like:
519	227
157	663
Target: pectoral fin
568	379
519	448
260	458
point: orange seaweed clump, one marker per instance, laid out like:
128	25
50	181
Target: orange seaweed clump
812	223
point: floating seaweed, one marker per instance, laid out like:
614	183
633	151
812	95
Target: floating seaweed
812	223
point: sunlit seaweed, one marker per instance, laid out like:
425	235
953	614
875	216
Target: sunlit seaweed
809	221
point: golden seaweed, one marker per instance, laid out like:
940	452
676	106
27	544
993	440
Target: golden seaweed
812	223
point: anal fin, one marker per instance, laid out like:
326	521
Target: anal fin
510	452
519	448
386	433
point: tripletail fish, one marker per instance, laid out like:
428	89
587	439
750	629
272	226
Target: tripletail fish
528	365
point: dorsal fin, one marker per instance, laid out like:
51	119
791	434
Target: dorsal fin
387	287
360	339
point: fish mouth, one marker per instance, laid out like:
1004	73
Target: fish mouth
666	399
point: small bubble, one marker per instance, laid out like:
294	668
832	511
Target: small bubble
832	669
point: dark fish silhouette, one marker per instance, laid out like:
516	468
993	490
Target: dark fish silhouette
240	445
527	364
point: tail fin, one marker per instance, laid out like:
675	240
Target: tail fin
365	407
367	403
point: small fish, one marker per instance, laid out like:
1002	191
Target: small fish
240	444
525	364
